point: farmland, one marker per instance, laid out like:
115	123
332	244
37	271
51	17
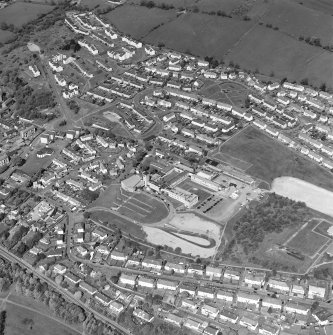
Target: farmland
20	13
199	33
271	159
132	20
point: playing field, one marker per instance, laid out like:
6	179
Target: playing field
308	242
271	159
141	207
238	163
323	227
20	13
197	189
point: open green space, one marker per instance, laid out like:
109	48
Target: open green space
323	227
236	162
200	34
306	241
133	20
24	321
271	159
20	13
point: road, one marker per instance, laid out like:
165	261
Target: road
12	258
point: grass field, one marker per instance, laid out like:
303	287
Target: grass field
297	20
238	163
20	13
306	241
201	34
139	207
271	159
132	20
32	318
5	35
323	227
282	54
33	164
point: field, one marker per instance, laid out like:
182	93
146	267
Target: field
290	17
283	55
315	197
271	159
138	207
20	13
33	164
200	34
238	163
5	35
306	241
132	20
323	227
26	317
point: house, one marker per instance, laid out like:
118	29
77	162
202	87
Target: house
268	329
209	311
192	324
231	274
102	299
126	279
224	295
227	315
260	124
174	319
142	315
297	291
248	298
249	323
87	288
292	307
4	159
213	272
59	269
272	303
196	269
163	284
210	330
34	70
205	293
189	304
254	279
116	307
100	234
278	285
71	278
316	292
146	282
153	264
185	287
118	256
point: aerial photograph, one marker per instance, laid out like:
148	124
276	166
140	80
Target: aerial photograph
166	167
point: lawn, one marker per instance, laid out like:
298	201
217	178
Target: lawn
267	51
238	163
20	13
306	241
133	20
23	321
34	164
200	34
271	159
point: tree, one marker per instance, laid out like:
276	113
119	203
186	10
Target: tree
305	81
323	87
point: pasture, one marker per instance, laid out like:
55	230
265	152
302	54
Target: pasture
271	159
307	241
267	50
297	20
200	34
133	20
20	13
